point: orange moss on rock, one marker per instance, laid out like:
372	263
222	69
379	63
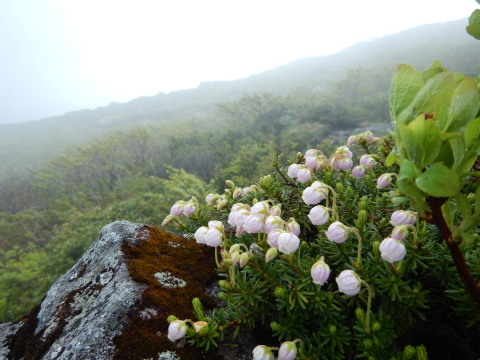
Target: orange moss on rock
158	251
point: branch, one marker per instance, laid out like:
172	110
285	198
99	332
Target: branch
459	260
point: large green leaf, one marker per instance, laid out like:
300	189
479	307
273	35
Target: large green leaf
474	24
428	136
406	179
433	98
406	83
472	135
464	105
439	181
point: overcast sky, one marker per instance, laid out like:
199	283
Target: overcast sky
64	55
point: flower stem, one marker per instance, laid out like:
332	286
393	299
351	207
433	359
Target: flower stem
369	306
359	250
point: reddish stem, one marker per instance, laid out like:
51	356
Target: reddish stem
459	260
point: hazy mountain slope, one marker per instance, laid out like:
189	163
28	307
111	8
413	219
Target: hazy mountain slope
28	144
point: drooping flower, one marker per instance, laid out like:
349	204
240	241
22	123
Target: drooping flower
261	209
384	180
292	171
262	352
288	242
403	217
177	330
348	282
358	171
313	195
399	232
254	224
318	215
276	210
177	208
213	237
337	232
367	160
273	222
244	257
189	208
320	272
200	235
304	174
273	237
392	250
211	199
287	351
293	226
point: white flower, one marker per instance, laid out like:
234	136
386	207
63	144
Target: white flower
392	250
276	210
288	242
344	151
288	351
273	237
273	222
313	195
304	174
262	352
261	209
215	224
367	160
200	235
348	282
318	215
358	171
189	208
320	272
211	199
403	217
337	232
293	226
384	180
292	171
177	208
253	224
177	330
213	237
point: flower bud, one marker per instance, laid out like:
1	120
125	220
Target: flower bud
234	248
237	193
360	314
211	199
399	232
344	151
422	353
235	256
337	232
276	210
200	235
376	326
177	330
228	262
262	352
403	217
348	283
293	226
266	181
167	220
409	352
271	254
376	248
199	325
332	329
225	285
243	259
280	293
362	218
275	326
320	272
352	140
288	243
392	250
384	180
221	204
318	215
287	351
358	171
229	183
177	208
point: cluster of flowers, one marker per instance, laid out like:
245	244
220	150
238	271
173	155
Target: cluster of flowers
264	217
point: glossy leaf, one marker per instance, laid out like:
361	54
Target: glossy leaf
472	135
439	181
464	105
406	83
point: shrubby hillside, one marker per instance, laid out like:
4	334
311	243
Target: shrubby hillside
132	161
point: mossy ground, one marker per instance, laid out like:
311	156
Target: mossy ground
146	336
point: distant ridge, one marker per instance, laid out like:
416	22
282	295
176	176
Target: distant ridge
31	143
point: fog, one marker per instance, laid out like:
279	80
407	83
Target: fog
62	56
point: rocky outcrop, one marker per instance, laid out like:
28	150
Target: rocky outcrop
114	302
